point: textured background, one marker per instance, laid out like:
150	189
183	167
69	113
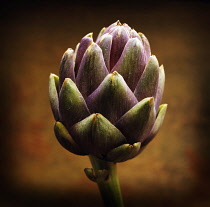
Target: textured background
36	171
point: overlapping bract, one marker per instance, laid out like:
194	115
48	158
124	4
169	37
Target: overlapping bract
106	100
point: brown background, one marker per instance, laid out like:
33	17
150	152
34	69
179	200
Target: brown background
36	171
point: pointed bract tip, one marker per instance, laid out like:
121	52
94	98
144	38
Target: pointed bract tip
58	124
52	75
115	73
164	106
67	80
105	36
162	67
118	23
132	146
153	60
69	50
92	46
137	144
151	101
141	35
98	116
95	115
89	35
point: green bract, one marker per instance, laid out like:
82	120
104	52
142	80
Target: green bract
106	100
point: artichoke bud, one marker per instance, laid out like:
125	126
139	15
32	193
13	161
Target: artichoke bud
106	100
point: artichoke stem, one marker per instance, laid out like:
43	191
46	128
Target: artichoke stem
110	188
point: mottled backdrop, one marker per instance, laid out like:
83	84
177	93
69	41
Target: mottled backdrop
36	171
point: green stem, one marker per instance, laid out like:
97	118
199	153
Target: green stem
110	188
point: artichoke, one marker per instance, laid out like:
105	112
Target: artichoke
106	100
